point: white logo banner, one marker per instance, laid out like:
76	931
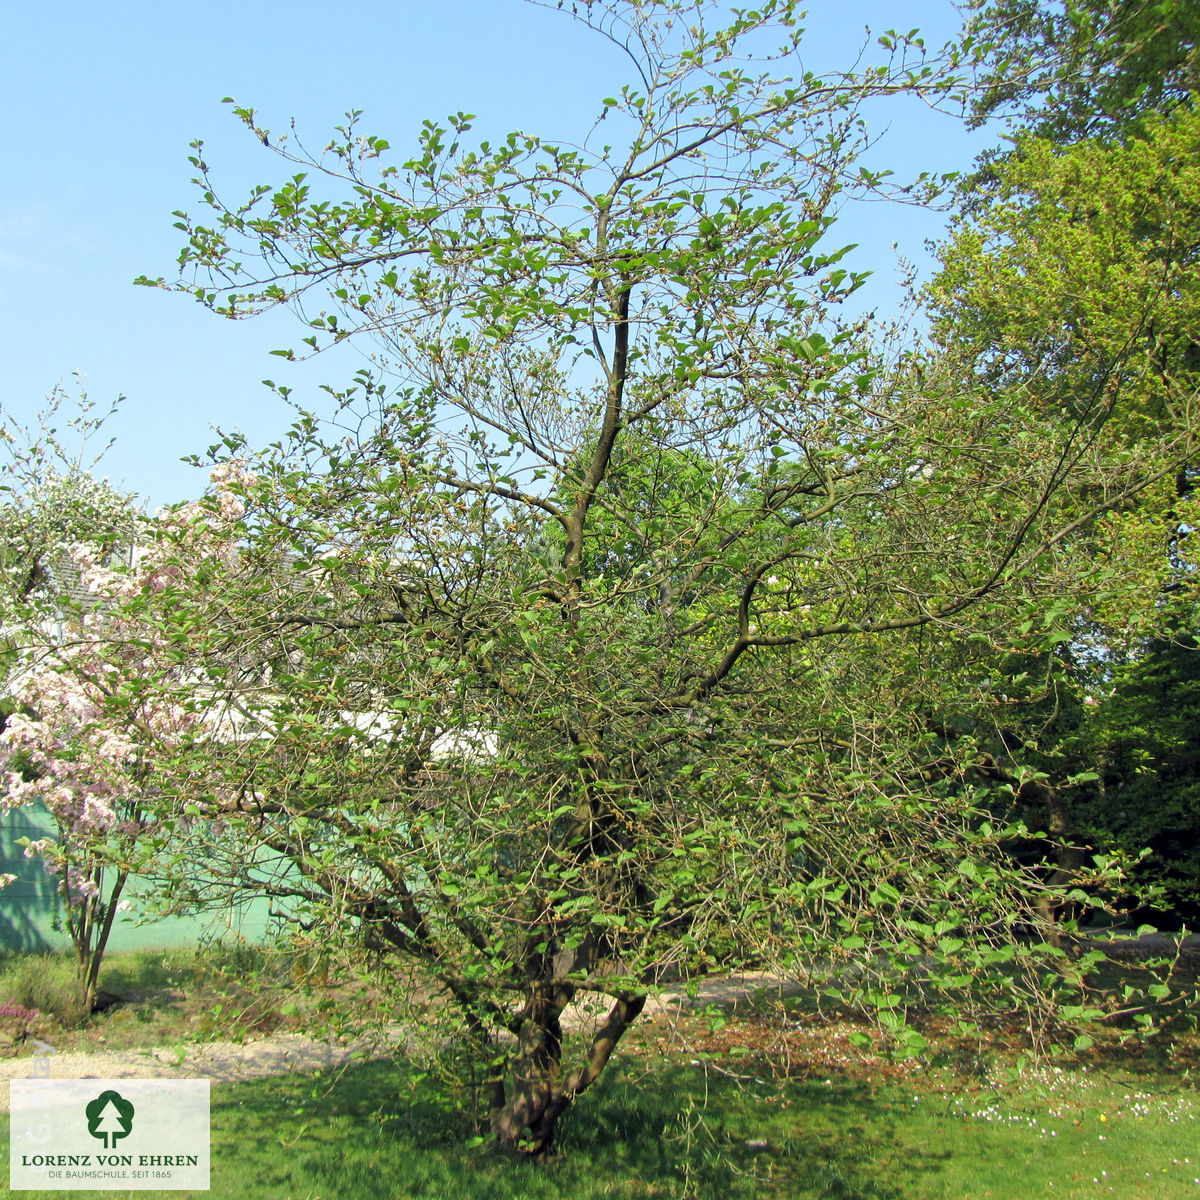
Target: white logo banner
77	1134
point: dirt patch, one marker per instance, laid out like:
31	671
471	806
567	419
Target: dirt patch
222	1062
284	1053
1148	945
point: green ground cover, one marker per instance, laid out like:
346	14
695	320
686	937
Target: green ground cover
769	1103
676	1130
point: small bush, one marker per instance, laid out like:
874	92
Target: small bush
16	1023
46	982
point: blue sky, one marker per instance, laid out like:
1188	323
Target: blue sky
102	101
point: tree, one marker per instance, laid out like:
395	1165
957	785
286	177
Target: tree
1078	69
1089	247
1143	738
539	650
85	728
65	744
1084	254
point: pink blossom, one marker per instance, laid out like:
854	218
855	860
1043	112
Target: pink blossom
84	741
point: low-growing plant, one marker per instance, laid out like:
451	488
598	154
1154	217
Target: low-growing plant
47	983
16	1024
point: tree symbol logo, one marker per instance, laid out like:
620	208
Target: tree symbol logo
109	1117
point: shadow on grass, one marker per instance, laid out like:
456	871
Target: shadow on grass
380	1131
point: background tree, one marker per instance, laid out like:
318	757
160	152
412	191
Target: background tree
85	728
1077	69
1074	247
58	521
538	650
1143	739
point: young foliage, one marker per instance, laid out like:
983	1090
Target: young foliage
556	655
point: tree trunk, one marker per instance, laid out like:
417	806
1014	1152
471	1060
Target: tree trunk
521	1121
1069	858
524	1120
96	955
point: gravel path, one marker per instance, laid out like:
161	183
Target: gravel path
281	1054
222	1062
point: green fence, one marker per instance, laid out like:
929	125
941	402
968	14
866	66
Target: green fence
30	907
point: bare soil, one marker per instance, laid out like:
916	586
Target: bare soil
263	1051
283	1053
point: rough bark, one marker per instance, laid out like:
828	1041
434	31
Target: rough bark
524	1118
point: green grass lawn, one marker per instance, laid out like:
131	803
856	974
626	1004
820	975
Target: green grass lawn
676	1129
769	1103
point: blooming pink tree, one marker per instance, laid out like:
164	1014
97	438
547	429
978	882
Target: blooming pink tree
99	713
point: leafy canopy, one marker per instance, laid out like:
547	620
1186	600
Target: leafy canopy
547	648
